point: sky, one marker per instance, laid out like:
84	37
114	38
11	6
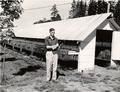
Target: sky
41	3
31	14
37	3
35	10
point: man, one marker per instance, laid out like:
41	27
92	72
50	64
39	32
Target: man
52	45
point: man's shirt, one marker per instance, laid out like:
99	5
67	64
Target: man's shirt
50	42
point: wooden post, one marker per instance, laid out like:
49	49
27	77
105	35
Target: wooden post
3	77
79	59
20	48
31	49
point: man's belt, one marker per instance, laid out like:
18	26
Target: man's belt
52	49
49	50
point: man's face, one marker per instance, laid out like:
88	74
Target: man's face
52	33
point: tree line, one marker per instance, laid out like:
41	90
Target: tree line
103	6
80	8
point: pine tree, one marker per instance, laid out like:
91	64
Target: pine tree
72	12
92	7
78	9
117	12
82	9
54	14
101	7
112	6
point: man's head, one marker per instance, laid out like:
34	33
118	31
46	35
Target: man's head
52	31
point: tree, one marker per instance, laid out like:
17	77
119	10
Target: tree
82	10
101	7
92	7
73	11
117	12
78	9
54	14
12	9
112	6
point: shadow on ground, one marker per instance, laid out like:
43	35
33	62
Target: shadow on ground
22	71
65	65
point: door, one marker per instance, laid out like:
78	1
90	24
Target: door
116	46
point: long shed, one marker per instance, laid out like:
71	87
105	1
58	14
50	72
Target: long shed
83	30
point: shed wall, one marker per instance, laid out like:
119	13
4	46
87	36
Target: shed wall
86	55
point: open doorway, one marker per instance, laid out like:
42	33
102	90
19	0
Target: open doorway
103	47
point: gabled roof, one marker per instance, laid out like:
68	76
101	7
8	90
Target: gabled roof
109	24
71	29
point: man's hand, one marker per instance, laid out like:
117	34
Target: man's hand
55	46
52	47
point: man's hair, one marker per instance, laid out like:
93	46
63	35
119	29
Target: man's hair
51	29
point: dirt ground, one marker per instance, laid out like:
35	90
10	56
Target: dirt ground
27	74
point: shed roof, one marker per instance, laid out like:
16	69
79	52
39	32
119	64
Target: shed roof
71	29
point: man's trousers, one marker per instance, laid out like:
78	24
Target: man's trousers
51	64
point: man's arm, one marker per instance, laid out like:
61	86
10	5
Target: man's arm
47	45
55	46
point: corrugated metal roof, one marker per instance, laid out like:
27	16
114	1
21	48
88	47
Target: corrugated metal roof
71	29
